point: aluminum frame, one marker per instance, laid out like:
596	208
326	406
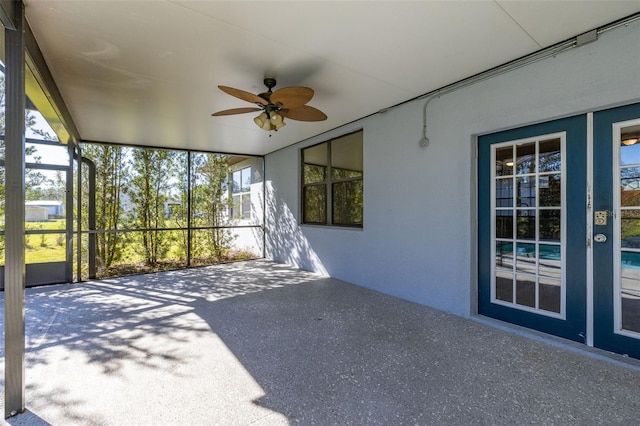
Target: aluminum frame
92	232
14	387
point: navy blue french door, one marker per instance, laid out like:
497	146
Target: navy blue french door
532	226
616	250
540	219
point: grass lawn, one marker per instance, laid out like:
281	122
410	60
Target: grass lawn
43	248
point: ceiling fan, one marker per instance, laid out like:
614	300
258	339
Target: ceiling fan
288	102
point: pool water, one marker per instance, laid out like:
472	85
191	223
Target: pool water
630	260
545	251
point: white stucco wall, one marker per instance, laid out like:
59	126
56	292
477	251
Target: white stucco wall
419	204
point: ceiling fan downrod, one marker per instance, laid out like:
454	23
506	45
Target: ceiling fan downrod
269	119
270	83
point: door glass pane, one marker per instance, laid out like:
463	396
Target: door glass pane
630	291
504	255
550	295
630	145
550	263
504	161
550	155
504	192
526	227
628	287
526	291
526	158
504	224
630	228
526	191
550	225
526	258
630	186
550	192
504	286
630	271
534	214
631	312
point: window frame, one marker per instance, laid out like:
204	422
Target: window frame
537	241
237	212
328	184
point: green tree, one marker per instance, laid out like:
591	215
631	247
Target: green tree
211	203
112	175
148	190
180	209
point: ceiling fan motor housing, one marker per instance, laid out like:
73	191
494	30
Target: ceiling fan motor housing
270	83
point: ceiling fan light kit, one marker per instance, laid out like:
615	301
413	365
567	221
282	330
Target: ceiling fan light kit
288	102
269	121
277	121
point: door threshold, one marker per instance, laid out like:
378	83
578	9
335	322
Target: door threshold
559	342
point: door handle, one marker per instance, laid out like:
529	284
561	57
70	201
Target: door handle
599	238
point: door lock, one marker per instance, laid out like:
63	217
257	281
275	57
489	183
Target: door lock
600	217
599	238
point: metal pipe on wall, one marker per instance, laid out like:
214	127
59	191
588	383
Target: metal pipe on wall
548	52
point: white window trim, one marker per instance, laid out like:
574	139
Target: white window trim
617	241
537	242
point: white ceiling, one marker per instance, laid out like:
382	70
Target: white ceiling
146	72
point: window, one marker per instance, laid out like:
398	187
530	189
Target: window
332	190
528	190
241	191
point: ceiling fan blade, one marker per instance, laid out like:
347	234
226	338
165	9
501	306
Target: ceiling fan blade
235	111
241	94
304	113
292	97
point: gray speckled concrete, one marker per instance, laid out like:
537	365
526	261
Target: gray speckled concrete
262	344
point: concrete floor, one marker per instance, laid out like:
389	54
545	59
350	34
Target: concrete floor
263	344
